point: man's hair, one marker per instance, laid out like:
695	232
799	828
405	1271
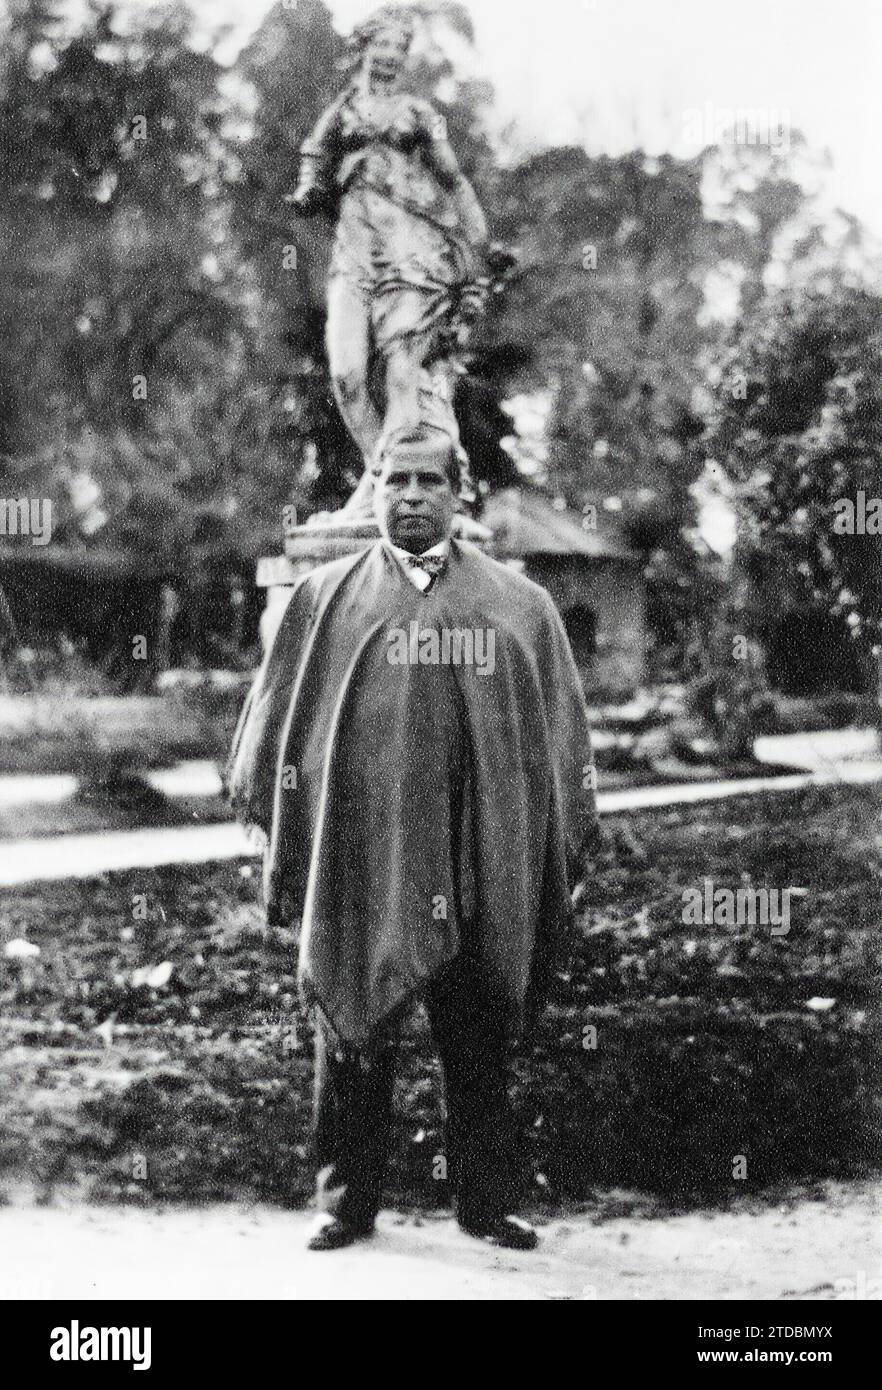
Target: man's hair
427	440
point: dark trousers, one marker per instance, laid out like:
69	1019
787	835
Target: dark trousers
353	1107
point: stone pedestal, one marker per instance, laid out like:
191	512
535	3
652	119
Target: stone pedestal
305	547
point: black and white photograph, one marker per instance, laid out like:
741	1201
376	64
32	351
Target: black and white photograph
440	668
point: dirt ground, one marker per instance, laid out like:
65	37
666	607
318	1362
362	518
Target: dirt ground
795	1250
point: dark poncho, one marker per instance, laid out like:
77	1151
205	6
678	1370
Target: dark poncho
413	808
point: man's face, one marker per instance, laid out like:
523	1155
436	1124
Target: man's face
414	501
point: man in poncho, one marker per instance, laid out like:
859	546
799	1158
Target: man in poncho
416	750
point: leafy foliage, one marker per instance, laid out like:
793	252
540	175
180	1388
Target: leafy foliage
802	434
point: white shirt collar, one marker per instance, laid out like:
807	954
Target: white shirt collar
404	555
420	579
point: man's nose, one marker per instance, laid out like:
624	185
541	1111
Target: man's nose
413	492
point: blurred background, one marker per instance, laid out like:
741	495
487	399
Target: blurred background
690	344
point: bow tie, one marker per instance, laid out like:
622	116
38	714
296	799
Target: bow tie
431	564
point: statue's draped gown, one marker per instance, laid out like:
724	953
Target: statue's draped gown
399	240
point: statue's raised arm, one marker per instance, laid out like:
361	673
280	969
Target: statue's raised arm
406	274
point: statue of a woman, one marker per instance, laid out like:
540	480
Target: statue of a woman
408	251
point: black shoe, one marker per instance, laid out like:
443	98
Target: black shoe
334	1234
508	1231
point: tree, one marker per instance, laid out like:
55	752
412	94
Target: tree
139	329
799	427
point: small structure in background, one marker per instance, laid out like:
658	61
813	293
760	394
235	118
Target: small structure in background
104	621
593	575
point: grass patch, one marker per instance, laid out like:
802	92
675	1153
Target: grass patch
705	1047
